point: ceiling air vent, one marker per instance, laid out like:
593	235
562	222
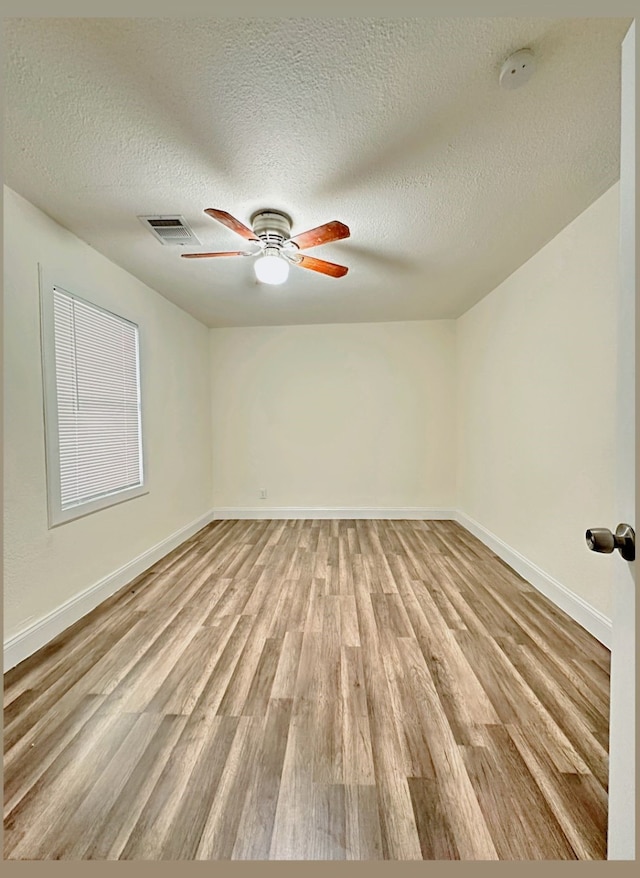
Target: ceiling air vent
170	230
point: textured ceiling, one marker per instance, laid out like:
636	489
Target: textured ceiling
396	127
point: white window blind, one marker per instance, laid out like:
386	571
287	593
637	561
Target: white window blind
98	401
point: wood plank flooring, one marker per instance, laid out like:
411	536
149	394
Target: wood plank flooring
313	690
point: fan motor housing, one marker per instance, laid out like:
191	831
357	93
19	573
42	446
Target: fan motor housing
271	226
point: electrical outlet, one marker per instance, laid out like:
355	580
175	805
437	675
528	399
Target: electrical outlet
263	494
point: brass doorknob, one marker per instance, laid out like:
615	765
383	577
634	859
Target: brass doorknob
600	539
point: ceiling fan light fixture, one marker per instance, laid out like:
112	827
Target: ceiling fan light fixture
276	249
271	268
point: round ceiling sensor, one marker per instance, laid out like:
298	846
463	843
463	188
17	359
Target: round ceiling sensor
517	69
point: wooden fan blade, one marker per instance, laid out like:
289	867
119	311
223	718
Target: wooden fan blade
332	231
231	223
207	255
322	266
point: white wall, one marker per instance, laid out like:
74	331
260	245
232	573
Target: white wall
536	403
346	415
43	567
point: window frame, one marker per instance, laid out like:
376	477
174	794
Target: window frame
56	514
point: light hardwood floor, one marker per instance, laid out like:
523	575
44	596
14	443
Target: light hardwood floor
313	690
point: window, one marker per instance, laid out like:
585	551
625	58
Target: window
92	406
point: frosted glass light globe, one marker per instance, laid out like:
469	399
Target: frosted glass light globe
272	269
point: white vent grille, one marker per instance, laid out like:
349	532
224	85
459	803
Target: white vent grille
170	230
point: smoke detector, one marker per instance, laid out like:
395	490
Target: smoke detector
170	230
517	69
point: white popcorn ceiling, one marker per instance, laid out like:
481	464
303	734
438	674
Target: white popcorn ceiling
396	127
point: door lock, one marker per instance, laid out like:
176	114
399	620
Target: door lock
600	539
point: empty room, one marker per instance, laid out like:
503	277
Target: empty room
319	439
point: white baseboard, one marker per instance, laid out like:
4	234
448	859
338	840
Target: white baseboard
24	644
583	613
280	512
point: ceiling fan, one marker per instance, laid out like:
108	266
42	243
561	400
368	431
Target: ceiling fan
276	249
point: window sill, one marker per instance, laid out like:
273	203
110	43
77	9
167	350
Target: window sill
62	516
